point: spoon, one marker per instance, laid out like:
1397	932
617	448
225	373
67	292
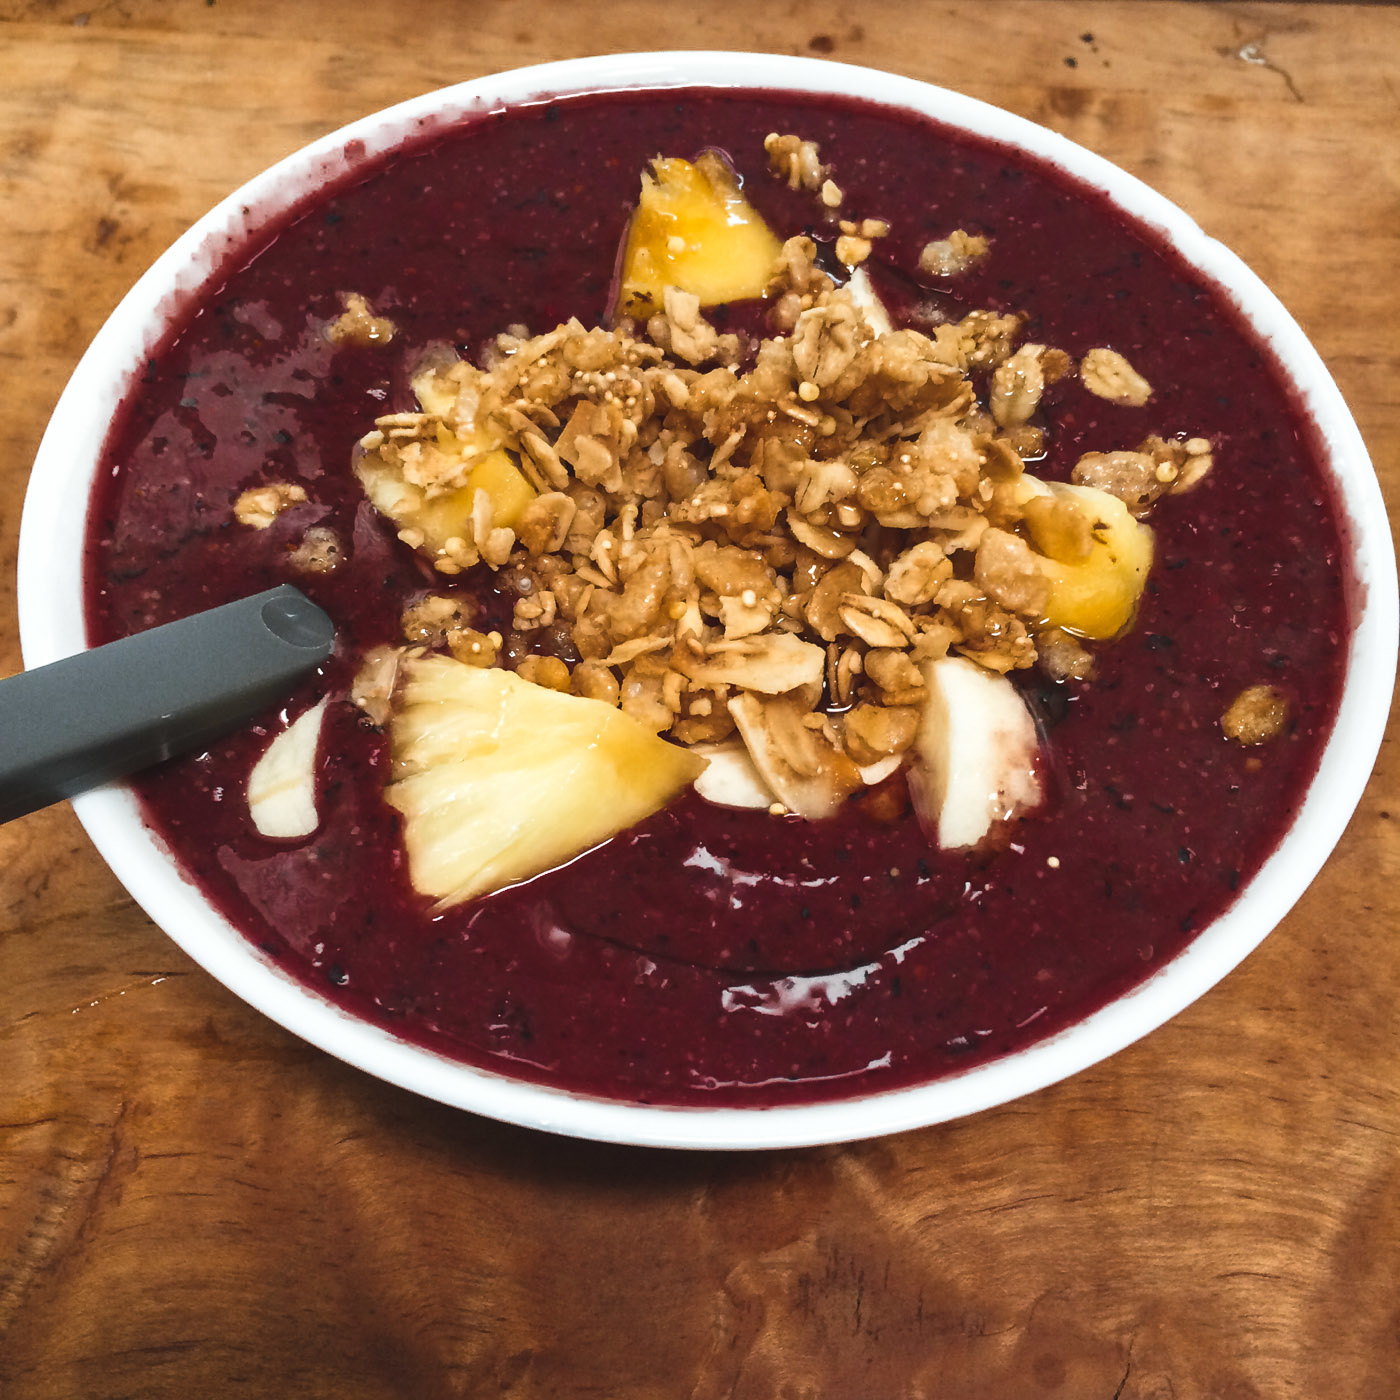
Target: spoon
104	713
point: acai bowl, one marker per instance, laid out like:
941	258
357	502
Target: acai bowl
360	374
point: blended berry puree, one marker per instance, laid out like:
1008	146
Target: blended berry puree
713	956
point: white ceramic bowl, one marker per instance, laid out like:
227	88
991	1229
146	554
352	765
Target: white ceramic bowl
51	623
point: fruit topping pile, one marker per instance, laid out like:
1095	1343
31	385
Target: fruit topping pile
783	568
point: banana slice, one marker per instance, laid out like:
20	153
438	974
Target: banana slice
805	772
282	785
730	778
863	293
977	752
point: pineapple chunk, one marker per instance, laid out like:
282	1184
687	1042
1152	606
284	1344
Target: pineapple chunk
694	230
447	517
1093	593
499	780
434	388
497	475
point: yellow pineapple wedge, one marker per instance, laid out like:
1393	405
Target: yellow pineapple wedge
1094	589
449	516
694	230
498	779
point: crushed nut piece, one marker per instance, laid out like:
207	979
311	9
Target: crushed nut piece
548	671
358	325
796	161
1107	374
1062	657
432	620
947	257
1136	478
1017	384
878	622
1006	570
874	732
852	250
320	551
1256	715
373	686
1197	466
474	648
259	506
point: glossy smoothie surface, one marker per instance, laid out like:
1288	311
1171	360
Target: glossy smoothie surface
713	956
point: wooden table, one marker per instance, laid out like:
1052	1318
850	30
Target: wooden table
194	1204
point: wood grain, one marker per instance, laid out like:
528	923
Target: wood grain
192	1203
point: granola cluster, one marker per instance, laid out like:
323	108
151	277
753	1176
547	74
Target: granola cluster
770	539
799	163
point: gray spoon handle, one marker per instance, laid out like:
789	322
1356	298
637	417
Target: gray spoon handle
105	713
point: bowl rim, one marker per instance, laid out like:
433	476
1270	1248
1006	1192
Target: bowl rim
52	625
